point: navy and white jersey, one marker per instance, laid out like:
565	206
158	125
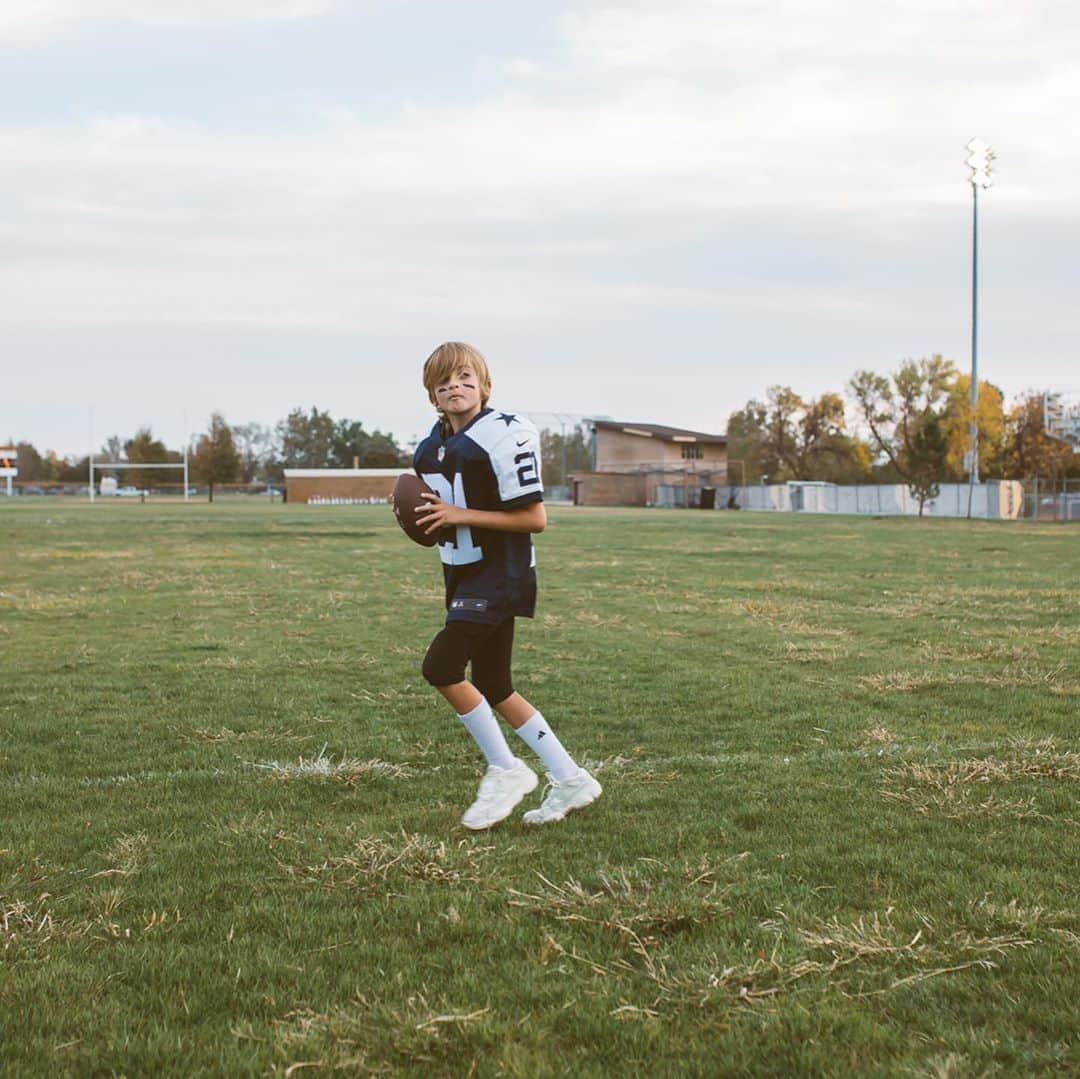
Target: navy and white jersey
493	463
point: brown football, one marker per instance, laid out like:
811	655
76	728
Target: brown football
406	497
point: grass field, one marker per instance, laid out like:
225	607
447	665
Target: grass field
839	834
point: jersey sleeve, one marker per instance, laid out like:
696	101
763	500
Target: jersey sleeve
424	456
515	460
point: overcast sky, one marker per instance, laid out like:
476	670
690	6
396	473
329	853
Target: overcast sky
651	211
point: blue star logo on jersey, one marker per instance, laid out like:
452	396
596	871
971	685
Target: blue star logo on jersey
507	418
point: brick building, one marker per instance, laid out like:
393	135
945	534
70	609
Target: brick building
649	464
304	484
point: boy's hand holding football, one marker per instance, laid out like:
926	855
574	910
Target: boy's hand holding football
436	513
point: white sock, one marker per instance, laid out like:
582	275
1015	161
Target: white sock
484	727
540	738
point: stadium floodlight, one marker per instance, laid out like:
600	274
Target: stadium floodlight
980	161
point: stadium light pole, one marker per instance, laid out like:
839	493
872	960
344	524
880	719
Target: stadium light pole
980	161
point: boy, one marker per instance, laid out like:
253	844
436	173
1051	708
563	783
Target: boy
485	469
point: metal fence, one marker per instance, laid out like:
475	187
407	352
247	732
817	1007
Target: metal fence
163	492
1049	500
996	500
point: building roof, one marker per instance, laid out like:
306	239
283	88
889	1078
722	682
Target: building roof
337	473
658	430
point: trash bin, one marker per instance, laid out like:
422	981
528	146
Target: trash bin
708	498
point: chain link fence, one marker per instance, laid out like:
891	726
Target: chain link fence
157	492
1052	500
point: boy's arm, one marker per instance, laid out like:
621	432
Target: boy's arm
439	514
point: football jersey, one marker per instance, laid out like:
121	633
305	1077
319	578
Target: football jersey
493	463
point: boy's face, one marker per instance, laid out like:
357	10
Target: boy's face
459	395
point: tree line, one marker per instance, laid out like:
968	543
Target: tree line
907	427
910	427
249	453
252	453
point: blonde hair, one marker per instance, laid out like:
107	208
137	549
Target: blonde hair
449	358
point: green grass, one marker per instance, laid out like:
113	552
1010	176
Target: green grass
839	833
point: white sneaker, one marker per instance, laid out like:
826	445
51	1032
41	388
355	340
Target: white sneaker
564	795
500	791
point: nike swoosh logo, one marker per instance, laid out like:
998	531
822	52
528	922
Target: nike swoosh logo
525	442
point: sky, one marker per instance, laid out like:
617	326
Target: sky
646	211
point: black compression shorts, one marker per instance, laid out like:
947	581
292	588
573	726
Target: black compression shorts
486	647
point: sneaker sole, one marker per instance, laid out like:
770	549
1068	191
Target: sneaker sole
593	795
498	820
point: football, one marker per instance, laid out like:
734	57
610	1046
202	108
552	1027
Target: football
406	498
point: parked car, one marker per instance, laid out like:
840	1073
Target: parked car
129	492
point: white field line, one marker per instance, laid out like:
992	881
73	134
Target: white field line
810	755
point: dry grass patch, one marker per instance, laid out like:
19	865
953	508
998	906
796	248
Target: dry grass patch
1012	676
634	766
1055	634
870	950
348	770
957	789
1040	759
375	859
897	681
783	616
207	735
630	904
1028	918
879	734
867	957
991	650
372	1036
108	924
25	924
811	652
125	856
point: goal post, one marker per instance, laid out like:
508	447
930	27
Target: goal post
127	465
124	466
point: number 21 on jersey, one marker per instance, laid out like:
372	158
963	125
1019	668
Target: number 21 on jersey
462	550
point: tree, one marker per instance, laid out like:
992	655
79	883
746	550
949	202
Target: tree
348	447
1029	450
563	452
382	451
255	444
31	465
926	461
904	417
113	448
956	427
215	459
351	443
144	448
748	444
74	470
306	440
789	438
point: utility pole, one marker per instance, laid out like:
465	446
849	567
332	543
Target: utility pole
980	161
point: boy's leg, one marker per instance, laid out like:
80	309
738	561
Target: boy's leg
444	667
535	731
507	779
571	786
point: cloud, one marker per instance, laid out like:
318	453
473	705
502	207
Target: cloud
20	19
752	194
716	37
